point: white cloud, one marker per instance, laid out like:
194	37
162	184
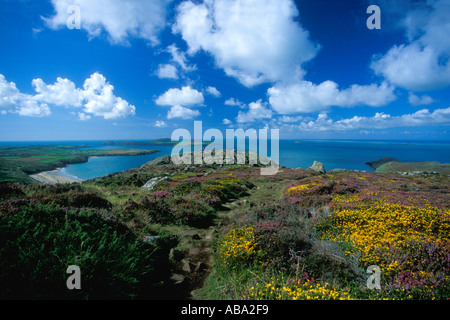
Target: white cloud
180	58
31	108
254	41
227	121
213	91
101	101
95	98
62	93
419	101
12	100
9	94
234	102
178	111
257	110
185	96
379	121
119	19
83	117
167	71
423	62
307	97
288	119
160	124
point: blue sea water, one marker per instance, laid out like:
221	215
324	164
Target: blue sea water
345	154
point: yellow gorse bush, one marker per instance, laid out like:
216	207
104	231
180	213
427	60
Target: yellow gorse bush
377	227
237	247
298	189
282	288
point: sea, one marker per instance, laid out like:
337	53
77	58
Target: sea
334	154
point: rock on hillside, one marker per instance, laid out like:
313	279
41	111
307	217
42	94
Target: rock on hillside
318	167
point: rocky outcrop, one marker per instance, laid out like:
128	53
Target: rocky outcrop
318	167
235	158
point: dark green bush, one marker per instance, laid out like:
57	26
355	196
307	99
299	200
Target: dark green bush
39	242
88	199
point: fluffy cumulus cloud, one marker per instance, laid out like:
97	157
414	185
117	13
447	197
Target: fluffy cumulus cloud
95	98
181	112
186	96
119	19
100	99
307	97
180	101
256	111
62	93
9	94
13	101
254	41
422	63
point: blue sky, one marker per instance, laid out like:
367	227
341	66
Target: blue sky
141	69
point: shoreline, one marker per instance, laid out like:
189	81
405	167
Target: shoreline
58	175
52	177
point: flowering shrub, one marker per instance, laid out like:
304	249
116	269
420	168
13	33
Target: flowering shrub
298	190
88	199
282	287
8	190
378	227
270	242
399	231
190	211
237	248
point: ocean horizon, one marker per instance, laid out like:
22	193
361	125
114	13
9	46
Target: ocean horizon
293	153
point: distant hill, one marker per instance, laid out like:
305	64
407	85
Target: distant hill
390	165
375	164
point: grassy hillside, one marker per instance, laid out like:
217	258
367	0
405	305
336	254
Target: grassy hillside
208	233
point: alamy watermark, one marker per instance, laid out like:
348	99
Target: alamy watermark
374	281
374	21
74	20
214	152
74	281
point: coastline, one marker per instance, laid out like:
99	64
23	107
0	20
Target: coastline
56	172
52	177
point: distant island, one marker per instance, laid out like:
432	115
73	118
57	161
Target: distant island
156	142
17	163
